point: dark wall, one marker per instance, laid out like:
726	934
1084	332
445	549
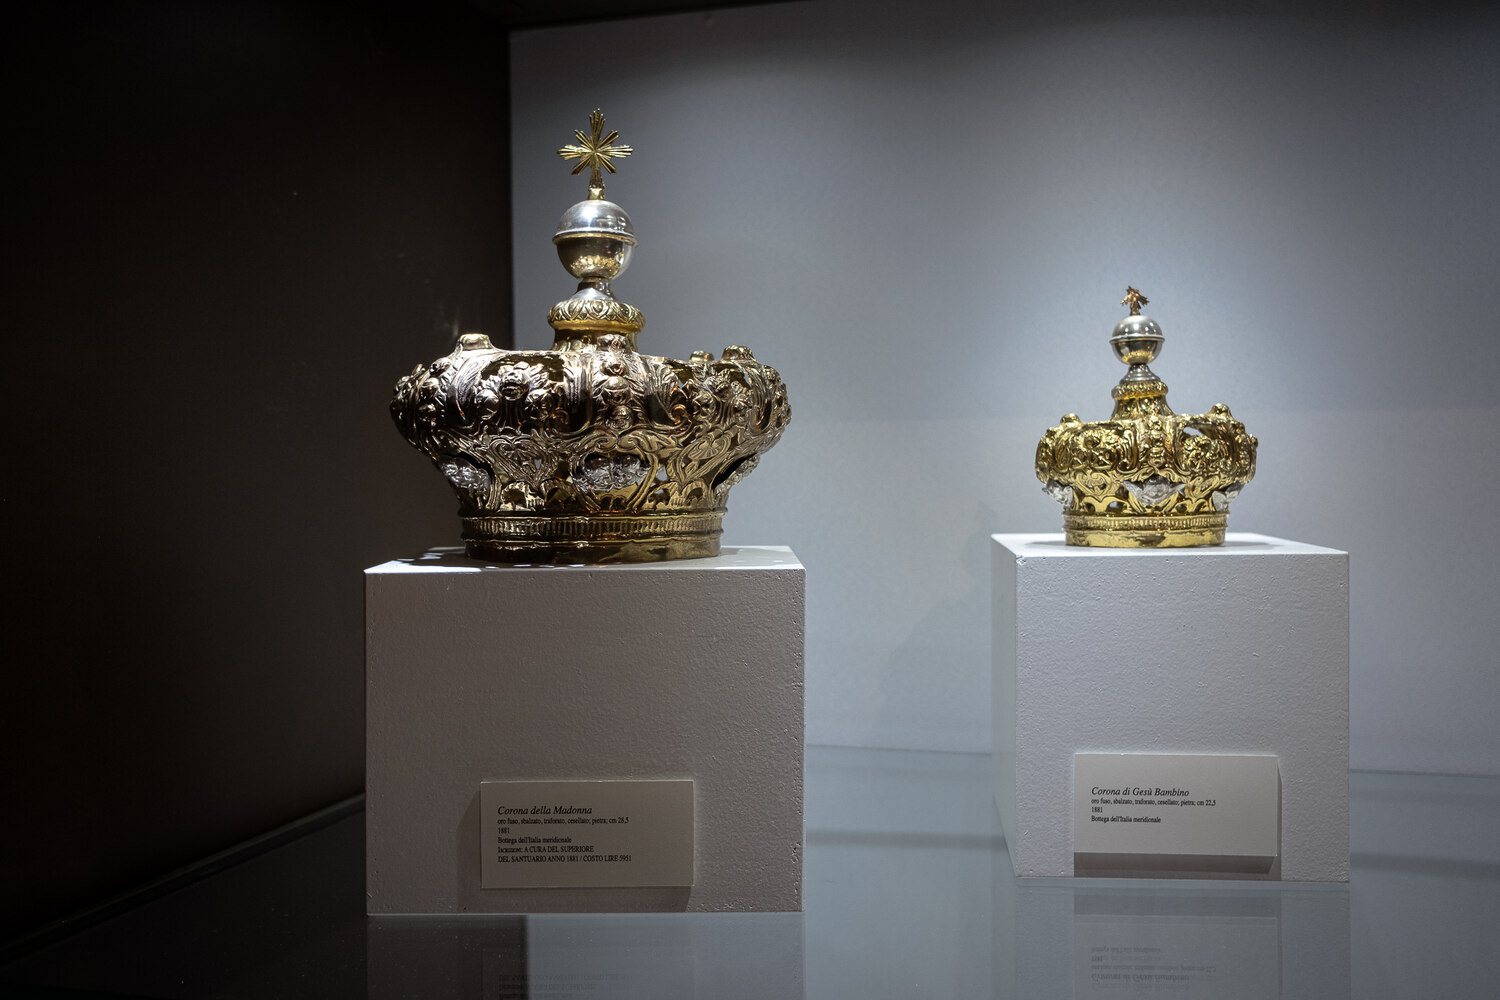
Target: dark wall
228	229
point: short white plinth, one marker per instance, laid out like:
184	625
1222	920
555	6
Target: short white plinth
1238	649
666	671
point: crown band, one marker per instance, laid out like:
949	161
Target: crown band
598	538
1136	531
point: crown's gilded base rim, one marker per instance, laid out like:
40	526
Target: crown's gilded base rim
1167	531
593	539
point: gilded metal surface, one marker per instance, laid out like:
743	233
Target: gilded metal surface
601	539
1129	532
595	150
597	315
1146	477
591	452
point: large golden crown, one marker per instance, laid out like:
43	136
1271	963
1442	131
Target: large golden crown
1146	477
591	452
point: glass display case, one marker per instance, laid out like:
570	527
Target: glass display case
908	892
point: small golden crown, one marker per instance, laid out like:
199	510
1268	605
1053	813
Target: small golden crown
1146	477
591	452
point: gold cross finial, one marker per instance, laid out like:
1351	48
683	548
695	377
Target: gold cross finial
1133	298
595	150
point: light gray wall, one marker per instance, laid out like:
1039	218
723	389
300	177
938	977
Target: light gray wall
925	216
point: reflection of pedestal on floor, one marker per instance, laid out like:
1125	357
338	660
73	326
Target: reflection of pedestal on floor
645	672
1240	649
726	957
614	956
1188	941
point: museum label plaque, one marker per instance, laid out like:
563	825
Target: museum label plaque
1175	812
585	834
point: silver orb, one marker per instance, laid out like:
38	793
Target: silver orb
1137	340
595	239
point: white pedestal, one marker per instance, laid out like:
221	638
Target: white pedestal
1235	649
687	669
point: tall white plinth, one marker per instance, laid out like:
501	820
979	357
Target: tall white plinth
690	669
1240	649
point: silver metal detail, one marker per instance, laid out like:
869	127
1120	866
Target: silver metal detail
1137	340
1153	490
595	240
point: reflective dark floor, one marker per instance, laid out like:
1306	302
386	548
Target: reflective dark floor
909	893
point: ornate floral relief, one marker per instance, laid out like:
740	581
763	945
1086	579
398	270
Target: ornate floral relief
1154	465
600	431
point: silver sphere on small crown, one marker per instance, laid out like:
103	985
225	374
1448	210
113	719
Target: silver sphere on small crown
1137	340
594	240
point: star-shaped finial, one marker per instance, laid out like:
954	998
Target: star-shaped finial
1133	298
595	150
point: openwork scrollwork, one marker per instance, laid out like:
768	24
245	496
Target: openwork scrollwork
1145	477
